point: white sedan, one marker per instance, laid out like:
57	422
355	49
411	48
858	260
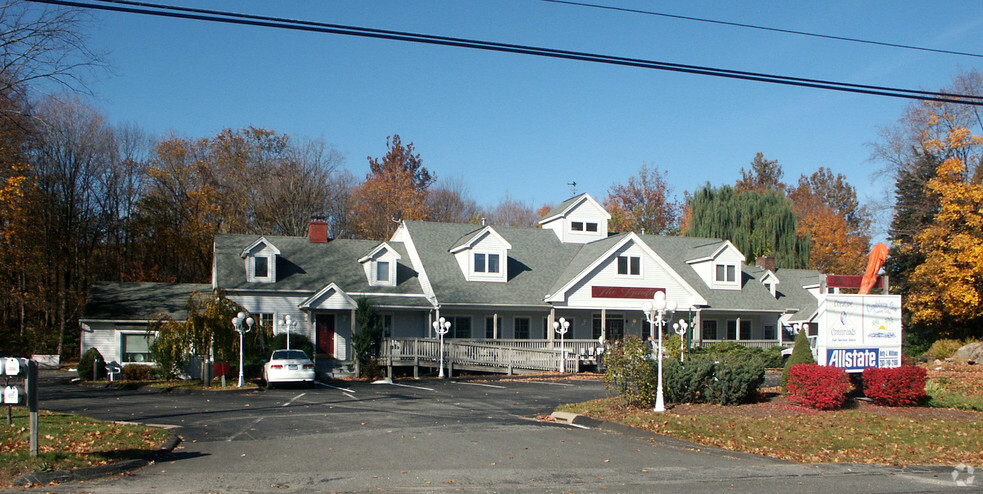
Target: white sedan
289	366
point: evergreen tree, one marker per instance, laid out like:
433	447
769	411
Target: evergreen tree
801	354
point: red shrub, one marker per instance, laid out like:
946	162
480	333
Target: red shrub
818	386
903	385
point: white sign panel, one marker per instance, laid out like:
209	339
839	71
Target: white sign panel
882	320
844	321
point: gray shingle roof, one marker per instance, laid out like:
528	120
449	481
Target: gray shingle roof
305	266
139	301
536	259
563	206
677	250
538	264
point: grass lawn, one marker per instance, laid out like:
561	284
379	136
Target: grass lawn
69	441
861	432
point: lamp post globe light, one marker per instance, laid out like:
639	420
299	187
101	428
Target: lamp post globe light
680	329
288	325
441	327
659	312
242	325
561	327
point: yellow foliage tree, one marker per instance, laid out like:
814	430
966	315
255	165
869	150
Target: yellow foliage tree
948	286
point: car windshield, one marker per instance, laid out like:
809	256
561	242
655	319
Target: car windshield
289	355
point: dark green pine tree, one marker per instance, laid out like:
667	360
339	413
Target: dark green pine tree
914	209
757	223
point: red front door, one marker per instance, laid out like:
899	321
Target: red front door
324	324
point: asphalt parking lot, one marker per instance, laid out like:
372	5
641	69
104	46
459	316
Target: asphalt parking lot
431	435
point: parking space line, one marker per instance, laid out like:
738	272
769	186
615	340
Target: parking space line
546	382
481	384
237	434
350	396
390	382
293	399
335	387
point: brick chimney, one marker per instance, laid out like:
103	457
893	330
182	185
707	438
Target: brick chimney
317	231
767	262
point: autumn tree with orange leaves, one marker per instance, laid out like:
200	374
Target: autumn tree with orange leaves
643	204
948	286
394	189
831	217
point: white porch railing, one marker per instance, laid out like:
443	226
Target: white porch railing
749	343
491	355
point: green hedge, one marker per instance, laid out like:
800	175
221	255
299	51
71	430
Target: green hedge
770	357
726	380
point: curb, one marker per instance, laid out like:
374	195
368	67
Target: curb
584	421
87	473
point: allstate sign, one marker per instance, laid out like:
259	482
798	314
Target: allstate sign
852	359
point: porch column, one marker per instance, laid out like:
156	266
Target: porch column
738	334
549	325
351	335
604	323
494	326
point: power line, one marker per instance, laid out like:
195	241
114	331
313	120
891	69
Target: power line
764	28
126	6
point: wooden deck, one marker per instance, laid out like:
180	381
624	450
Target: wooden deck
496	356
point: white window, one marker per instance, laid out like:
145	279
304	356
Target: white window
630	265
592	227
577	226
261	267
382	271
522	328
487	263
726	272
136	347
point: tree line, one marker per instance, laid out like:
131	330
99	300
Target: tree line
84	199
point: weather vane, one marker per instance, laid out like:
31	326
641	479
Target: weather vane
573	187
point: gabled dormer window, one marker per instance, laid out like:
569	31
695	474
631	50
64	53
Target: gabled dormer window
260	261
380	265
483	256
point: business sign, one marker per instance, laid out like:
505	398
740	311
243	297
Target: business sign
623	292
853	359
859	331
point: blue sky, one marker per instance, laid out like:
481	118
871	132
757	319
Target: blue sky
526	126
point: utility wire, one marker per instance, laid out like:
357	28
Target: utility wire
134	7
764	28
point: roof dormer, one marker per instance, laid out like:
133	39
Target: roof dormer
483	256
260	261
721	268
380	265
770	282
578	220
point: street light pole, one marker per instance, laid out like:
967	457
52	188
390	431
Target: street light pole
561	327
288	325
659	312
441	326
680	329
242	329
